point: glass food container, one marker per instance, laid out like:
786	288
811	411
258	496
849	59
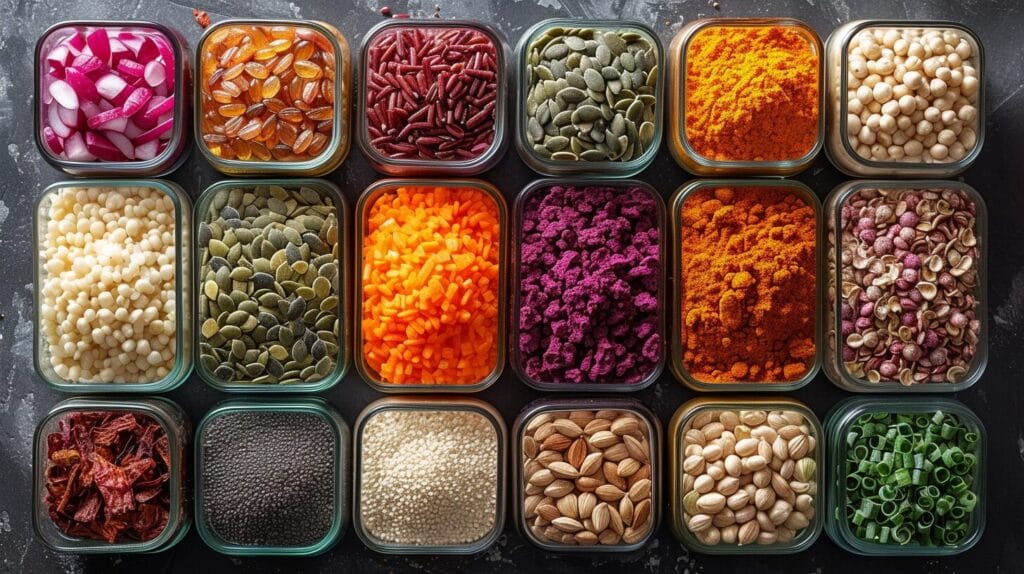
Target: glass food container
403	406
839	428
67	45
854	378
340	489
689	426
182	301
174	423
556	416
336	339
366	202
676	205
318	89
471	163
545	165
516	358
844	77
680	146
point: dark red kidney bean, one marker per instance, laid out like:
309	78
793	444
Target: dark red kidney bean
431	93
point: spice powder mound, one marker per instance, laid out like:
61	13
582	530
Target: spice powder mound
748	285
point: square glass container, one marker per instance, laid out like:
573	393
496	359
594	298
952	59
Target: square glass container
382	190
390	92
842	77
406	405
689	425
839	428
230	192
839	293
322	90
175	424
541	162
581	413
516	359
679	144
678	365
182	301
340	489
63	45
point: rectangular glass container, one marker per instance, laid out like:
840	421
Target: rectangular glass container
407	404
404	167
550	410
163	162
221	193
342	444
837	426
678	283
545	165
515	357
833	365
680	146
176	426
182	366
840	148
366	202
322	35
702	413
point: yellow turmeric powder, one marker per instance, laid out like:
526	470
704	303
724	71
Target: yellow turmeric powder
748	284
752	93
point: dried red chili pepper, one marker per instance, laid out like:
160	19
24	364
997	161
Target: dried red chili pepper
102	479
202	18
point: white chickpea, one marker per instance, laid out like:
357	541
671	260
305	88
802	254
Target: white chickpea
938	151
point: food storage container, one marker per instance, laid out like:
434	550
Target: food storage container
676	205
631	430
71	382
536	151
388	189
492	471
682	148
339	489
844	468
516	358
847	75
312	98
333	301
144	56
387	131
691	424
175	425
843	292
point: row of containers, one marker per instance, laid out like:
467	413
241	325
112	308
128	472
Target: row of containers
884	98
585	475
271	286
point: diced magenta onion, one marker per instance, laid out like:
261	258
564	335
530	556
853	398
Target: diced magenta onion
99	44
154	73
156	132
110	85
136	100
64	94
148	51
54	122
104	117
83	86
53	140
75	150
88	64
76	40
70	117
122	143
147	150
58	59
101	147
131	67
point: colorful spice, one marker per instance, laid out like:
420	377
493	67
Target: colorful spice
430	281
910	285
749	281
590	273
269	478
432	93
107	476
752	93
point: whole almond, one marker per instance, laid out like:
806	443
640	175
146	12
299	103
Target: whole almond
589	483
548	512
563	470
530	447
533	489
530	504
531	466
632	535
585	538
577	452
597	425
557	442
542	477
609	538
603	439
625	425
641	513
626	510
538	532
615	521
616	452
568	506
748	533
547	457
609	493
636	448
581	418
553	534
611	474
600	517
544	431
640	490
567	428
559	488
568	539
586	502
644	472
566	524
538	420
628	467
608	414
591	464
541	521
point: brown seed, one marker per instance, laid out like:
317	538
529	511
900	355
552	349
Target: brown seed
586	502
548	512
609	493
640	490
542	477
581	418
568	428
577	452
616	452
530	448
566	524
538	420
626	510
604	439
557	442
627	467
568	505
636	448
585	538
642	513
530	504
611	475
591	464
600	517
597	425
588	483
615	521
547	457
563	470
644	472
609	538
625	425
559	488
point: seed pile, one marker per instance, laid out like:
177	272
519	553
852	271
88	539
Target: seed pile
429	477
749	477
269	478
592	94
590	269
431	93
912	95
269	307
909	285
587	477
108	280
267	93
